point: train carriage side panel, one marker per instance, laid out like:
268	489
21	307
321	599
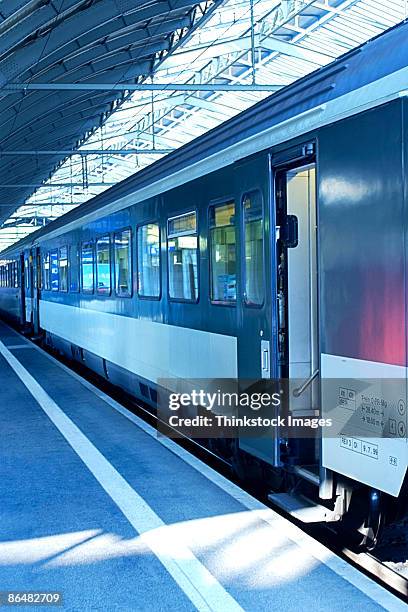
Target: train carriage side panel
362	218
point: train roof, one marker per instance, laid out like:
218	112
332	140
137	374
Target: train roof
377	58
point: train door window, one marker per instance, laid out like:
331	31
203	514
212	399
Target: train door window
123	263
103	265
73	268
54	275
223	273
87	267
254	246
183	257
148	260
63	268
26	272
14	274
46	268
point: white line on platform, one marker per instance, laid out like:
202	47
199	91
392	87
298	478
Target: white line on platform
198	584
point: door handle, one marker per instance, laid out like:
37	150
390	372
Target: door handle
299	390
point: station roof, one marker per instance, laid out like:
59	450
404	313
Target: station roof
122	83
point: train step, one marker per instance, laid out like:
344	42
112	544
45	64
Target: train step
303	509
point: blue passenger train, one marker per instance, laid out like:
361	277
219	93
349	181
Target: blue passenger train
272	246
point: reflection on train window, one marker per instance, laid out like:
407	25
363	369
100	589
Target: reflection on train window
54	270
148	260
46	271
183	257
73	268
123	267
63	268
253	237
223	253
87	267
103	265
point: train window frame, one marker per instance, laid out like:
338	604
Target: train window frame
53	252
74	269
128	295
61	248
102	291
15	274
90	243
186	212
214	204
46	286
247	303
141	296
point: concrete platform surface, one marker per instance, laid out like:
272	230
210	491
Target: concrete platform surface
97	507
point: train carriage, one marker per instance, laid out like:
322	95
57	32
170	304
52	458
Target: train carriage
273	246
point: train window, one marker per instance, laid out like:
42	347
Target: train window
26	273
253	238
87	267
103	265
63	268
54	275
14	274
123	263
73	268
183	257
223	274
46	268
148	260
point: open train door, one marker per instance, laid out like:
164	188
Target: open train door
297	300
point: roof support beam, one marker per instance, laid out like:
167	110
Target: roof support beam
85	152
13	87
50	185
281	46
39	204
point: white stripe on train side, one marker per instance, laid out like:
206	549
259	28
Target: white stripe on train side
149	349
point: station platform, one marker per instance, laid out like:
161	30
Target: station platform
96	506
